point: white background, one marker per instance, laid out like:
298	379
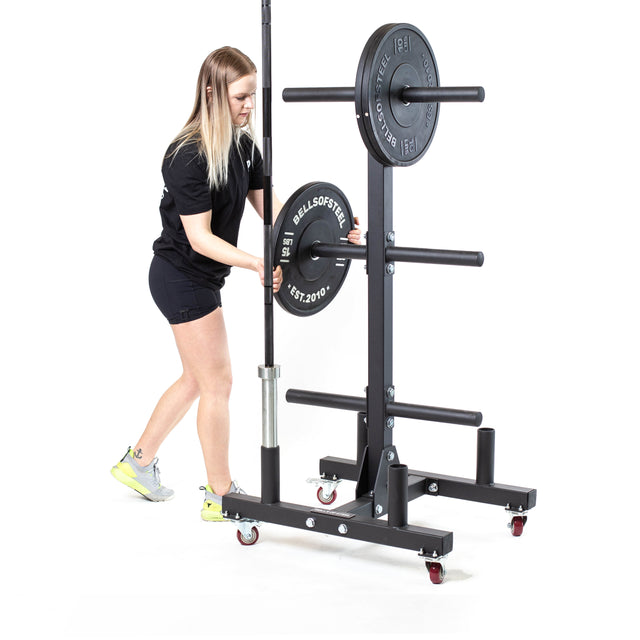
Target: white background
541	177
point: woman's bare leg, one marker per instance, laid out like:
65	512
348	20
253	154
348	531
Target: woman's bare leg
171	408
204	351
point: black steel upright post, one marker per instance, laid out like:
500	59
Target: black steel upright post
380	310
269	373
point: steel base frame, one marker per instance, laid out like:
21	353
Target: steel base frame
384	486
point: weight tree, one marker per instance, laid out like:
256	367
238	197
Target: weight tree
397	97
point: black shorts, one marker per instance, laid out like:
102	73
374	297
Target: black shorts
178	297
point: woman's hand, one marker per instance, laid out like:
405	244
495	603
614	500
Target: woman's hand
277	274
355	235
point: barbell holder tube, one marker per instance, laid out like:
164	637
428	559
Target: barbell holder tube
408	95
400	254
398	485
486	455
396	409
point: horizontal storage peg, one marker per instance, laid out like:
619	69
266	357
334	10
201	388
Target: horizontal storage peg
435	256
328	250
408	95
329	400
435	414
412	95
396	409
319	94
400	254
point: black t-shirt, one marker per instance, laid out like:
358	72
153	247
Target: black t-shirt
186	192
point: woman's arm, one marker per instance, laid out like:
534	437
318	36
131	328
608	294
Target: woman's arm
198	230
256	198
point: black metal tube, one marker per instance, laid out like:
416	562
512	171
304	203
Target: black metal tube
319	94
443	94
270	474
435	414
410	94
268	182
379	314
397	409
330	400
328	250
486	455
435	256
398	495
270	456
400	254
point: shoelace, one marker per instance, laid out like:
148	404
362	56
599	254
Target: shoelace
156	471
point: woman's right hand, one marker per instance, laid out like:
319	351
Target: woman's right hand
277	274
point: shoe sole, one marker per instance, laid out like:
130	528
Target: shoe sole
136	486
213	518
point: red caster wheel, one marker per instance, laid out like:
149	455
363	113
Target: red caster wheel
517	526
330	500
436	572
252	539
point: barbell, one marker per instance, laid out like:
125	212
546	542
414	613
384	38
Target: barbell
397	95
311	247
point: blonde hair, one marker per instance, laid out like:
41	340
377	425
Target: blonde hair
210	124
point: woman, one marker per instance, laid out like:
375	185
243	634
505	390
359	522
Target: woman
210	169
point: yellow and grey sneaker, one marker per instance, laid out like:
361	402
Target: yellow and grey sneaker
144	480
212	507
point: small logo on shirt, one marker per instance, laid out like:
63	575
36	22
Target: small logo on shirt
248	164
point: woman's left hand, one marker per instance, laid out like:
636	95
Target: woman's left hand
277	274
277	279
355	235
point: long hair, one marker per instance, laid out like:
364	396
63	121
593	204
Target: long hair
210	124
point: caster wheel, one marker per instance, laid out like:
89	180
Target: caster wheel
436	572
517	526
330	500
252	539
